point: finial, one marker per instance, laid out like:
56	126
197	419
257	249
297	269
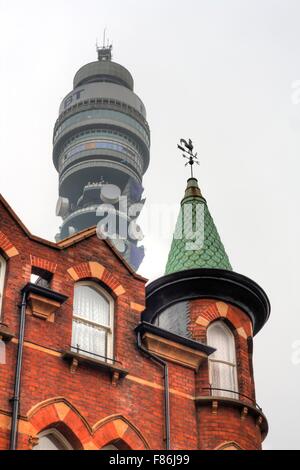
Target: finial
104	52
188	153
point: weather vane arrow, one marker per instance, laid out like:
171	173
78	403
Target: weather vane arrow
187	149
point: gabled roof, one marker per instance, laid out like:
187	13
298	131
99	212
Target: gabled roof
196	242
69	241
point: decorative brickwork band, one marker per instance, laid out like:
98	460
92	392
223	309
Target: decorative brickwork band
117	427
5	244
207	311
95	270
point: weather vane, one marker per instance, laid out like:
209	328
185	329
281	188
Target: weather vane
188	153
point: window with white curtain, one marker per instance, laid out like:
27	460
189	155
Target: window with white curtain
92	333
2	277
52	440
222	363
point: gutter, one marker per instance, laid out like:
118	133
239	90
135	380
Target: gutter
164	364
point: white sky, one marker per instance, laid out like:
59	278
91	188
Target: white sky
218	71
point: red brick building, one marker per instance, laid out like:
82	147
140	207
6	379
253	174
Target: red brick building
93	359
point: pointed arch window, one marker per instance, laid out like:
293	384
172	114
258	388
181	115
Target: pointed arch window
92	332
52	440
109	447
2	278
222	363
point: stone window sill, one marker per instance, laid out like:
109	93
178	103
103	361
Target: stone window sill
75	359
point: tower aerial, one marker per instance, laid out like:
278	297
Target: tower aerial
101	145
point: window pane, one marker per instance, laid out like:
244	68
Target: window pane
175	319
52	441
221	338
89	339
90	305
222	363
48	443
223	376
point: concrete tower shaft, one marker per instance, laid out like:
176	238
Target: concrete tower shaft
101	146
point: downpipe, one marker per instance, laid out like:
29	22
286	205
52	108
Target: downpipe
164	364
16	398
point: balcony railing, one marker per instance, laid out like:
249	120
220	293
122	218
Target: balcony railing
78	350
240	396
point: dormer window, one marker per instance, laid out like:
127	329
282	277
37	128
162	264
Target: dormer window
2	278
92	333
222	363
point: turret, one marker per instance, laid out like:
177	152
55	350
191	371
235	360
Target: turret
202	301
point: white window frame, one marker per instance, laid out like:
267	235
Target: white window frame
233	365
2	279
109	329
58	436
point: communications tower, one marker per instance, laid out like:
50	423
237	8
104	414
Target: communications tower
101	146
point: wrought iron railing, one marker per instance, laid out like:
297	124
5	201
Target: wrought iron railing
240	395
78	350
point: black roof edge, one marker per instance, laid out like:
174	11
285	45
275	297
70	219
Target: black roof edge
48	293
144	327
219	284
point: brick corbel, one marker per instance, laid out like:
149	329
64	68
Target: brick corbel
33	441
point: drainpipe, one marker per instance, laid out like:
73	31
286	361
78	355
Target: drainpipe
164	364
16	398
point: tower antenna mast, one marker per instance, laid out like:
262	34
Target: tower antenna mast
104	52
104	34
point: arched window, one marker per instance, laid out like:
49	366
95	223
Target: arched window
2	277
52	440
222	363
92	333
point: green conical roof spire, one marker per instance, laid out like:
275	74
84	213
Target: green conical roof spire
196	242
